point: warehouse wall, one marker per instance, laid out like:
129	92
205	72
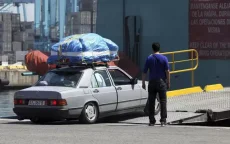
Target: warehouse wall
166	22
109	20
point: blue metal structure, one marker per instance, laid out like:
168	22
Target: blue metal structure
24	12
53	12
62	9
37	14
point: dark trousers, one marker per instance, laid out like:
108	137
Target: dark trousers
160	87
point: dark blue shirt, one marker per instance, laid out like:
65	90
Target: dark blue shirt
157	64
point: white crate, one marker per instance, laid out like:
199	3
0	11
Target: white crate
17	46
27	35
5	36
6	26
5	47
20	56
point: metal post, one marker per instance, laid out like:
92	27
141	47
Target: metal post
46	20
62	9
24	12
37	14
75	5
18	9
192	64
53	7
71	26
57	12
173	60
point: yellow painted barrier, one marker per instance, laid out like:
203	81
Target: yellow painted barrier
213	87
194	59
185	91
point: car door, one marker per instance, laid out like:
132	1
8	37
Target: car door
129	96
104	91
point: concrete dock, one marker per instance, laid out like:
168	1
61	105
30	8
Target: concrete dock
16	79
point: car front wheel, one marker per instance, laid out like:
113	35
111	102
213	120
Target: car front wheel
157	106
89	113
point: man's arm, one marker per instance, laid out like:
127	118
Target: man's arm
168	76
167	71
143	77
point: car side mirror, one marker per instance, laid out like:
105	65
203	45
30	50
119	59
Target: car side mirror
134	81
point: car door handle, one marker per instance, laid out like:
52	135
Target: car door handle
119	88
96	91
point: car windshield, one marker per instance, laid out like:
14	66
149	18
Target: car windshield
60	78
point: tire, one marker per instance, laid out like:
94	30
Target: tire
157	106
89	114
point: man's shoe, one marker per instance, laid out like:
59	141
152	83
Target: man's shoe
163	124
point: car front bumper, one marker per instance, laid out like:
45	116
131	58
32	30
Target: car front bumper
45	113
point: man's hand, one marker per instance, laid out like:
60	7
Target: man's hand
143	86
143	81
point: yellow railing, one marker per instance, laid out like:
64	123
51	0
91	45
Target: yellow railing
193	57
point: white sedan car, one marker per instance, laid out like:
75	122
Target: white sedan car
86	93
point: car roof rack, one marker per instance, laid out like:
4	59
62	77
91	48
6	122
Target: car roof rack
88	65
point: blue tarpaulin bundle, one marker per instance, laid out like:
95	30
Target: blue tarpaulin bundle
88	48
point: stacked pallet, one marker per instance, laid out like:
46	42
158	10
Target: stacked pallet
24	38
9	23
15	37
83	21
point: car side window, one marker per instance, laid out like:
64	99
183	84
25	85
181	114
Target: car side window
94	83
100	79
119	77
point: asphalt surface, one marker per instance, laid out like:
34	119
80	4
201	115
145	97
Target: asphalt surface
24	132
106	132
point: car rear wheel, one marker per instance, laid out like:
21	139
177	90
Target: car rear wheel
89	113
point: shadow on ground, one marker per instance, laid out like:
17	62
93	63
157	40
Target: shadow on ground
119	119
111	119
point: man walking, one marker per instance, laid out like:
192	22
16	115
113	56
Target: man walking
159	82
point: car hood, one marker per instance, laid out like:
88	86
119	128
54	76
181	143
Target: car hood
48	88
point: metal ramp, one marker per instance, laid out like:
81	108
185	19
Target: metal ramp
194	108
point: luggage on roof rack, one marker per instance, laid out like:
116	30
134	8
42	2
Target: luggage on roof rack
83	48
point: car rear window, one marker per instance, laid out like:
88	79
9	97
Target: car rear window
60	78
